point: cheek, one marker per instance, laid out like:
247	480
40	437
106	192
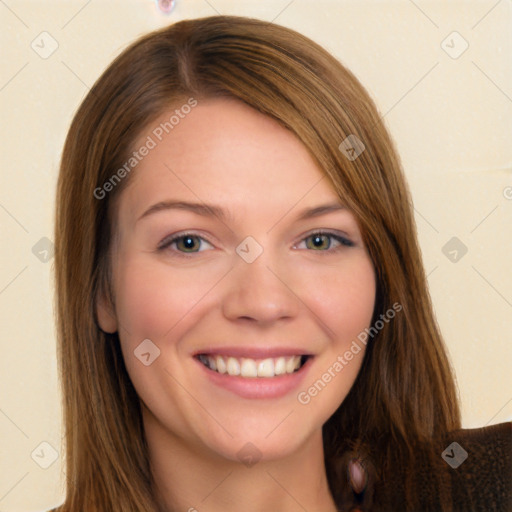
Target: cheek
345	306
344	298
152	299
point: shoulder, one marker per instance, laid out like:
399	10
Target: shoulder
462	471
479	465
487	448
497	435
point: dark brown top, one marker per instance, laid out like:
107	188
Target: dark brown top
469	470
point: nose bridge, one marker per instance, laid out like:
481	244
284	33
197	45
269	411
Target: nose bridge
256	289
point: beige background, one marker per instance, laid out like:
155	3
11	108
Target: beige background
451	119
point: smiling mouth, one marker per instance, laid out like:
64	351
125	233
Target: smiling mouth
253	368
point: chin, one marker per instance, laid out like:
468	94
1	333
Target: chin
265	437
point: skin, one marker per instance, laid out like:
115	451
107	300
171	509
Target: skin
294	294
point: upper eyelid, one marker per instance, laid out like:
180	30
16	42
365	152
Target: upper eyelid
168	240
332	232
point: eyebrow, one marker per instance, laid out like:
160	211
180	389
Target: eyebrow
210	210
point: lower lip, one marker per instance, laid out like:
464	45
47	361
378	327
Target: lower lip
258	387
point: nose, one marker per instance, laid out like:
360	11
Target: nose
259	293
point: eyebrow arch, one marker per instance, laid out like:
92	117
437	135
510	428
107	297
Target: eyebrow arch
216	211
199	208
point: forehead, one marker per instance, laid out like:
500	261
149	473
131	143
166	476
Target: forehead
223	151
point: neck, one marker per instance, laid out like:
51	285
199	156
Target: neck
191	480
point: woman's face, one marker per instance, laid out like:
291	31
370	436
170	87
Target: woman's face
275	273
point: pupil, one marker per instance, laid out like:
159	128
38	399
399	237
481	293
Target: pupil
188	242
320	241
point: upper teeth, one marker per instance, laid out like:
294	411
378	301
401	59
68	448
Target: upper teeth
246	367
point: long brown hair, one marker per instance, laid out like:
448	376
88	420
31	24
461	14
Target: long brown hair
405	391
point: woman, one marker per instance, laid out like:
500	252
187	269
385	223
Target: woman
241	304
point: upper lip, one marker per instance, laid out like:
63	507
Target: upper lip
254	352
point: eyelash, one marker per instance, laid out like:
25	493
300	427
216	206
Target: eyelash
343	241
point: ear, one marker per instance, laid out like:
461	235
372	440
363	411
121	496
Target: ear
106	317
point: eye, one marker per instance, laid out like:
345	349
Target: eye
185	243
325	241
